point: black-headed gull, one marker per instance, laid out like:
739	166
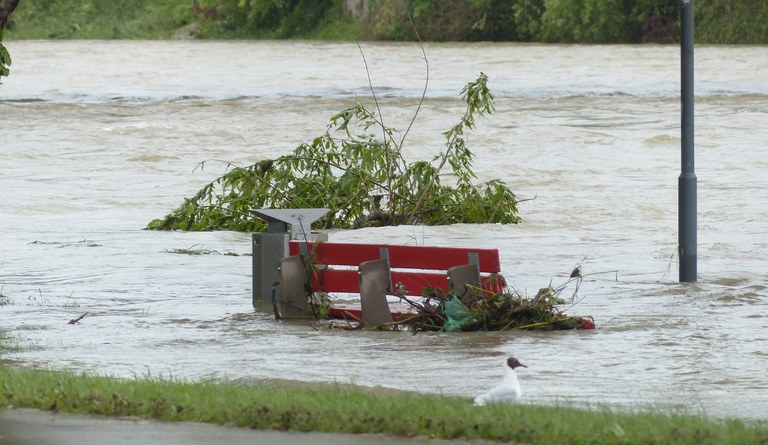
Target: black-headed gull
508	390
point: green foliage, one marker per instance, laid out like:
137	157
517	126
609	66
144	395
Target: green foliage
528	19
464	20
271	18
389	21
568	21
584	21
655	21
734	22
357	170
560	19
497	20
587	21
98	19
5	59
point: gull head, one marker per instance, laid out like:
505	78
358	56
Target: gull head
514	363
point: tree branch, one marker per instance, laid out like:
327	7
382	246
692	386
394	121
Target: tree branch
6	8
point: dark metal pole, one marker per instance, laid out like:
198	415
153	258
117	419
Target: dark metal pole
687	180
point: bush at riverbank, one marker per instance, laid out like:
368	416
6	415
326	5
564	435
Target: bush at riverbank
351	409
563	21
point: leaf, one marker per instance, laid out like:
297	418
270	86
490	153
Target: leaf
5	60
5	56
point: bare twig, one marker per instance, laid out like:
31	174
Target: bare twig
77	320
426	81
380	119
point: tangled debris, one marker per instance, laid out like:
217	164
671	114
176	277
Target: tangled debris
498	312
508	310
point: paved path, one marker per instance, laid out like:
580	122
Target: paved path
32	427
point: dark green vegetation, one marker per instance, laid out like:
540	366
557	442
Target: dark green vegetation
6	8
357	170
349	409
5	58
565	21
99	19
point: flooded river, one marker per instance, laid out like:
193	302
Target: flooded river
98	138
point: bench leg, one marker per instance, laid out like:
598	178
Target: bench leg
374	283
464	282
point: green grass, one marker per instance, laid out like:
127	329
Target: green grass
351	409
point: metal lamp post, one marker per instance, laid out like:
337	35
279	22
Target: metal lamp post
687	180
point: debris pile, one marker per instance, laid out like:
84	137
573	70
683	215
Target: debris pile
441	311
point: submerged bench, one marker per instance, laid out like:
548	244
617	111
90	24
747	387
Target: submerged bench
376	270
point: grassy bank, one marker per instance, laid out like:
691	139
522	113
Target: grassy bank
350	409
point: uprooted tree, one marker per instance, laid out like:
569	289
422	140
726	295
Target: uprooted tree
358	171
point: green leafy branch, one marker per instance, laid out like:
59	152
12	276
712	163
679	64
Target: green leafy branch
5	59
360	176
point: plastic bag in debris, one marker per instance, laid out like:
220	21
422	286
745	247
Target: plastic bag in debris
457	315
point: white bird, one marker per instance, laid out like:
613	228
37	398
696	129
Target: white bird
508	390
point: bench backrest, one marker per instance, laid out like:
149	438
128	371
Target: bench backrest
415	267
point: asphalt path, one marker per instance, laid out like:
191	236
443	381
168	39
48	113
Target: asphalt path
33	427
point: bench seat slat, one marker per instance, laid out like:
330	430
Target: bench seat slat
346	281
408	257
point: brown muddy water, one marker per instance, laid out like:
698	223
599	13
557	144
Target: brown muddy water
100	137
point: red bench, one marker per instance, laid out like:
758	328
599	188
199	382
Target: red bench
374	270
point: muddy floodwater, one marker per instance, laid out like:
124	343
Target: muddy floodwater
98	138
